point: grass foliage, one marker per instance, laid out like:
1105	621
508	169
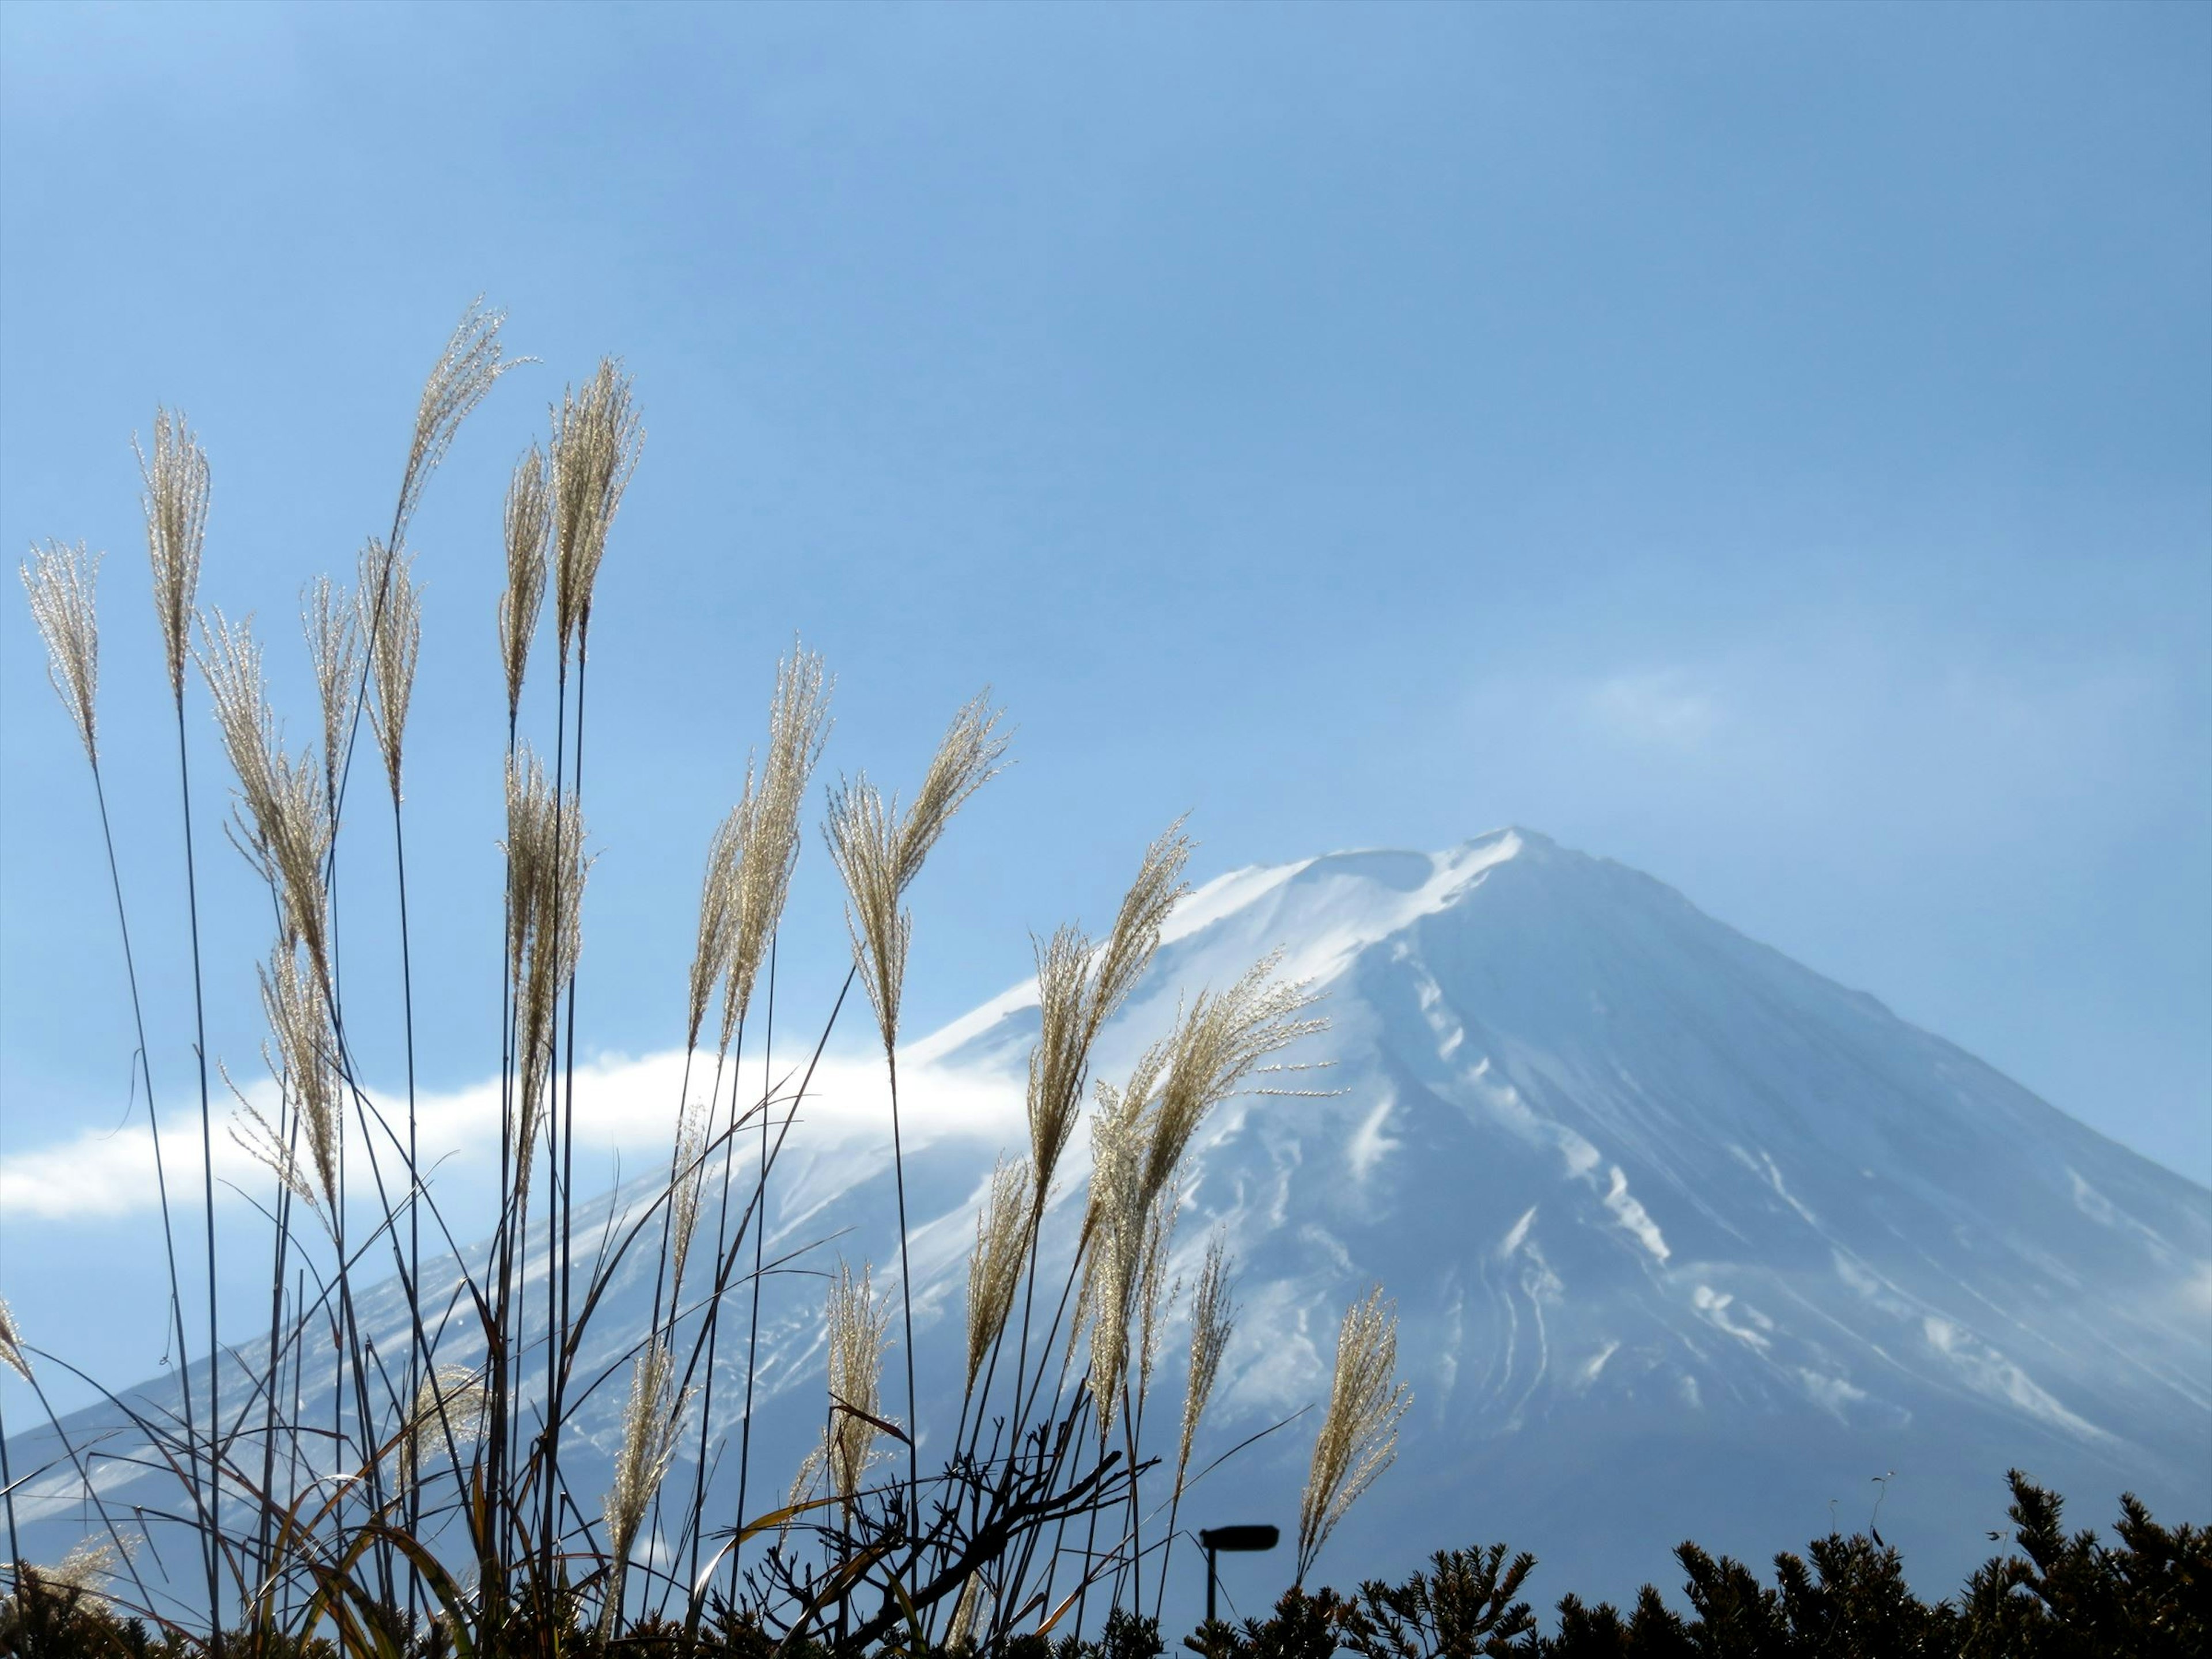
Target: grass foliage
339	1497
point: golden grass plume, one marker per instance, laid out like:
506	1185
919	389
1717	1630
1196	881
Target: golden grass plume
61	581
175	481
1359	1436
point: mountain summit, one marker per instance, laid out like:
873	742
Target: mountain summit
1687	1241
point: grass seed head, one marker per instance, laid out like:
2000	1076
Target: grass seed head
651	1419
175	479
798	726
466	371
859	1324
1359	1436
449	1408
594	449
1218	1047
546	867
331	621
1213	1322
283	800
1081	984
994	1266
60	581
393	626
11	1343
529	532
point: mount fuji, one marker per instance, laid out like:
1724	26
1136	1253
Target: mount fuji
1685	1242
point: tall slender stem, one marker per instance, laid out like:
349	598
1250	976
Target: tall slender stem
213	1500
415	1361
906	1307
760	1241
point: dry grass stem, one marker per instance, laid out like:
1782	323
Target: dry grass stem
594	448
283	799
864	840
710	956
1359	1436
464	372
329	619
299	1018
995	1267
970	755
11	1343
1080	986
450	1401
1213	1320
60	581
80	1573
1114	1229
175	501
690	1177
798	726
1218	1047
878	851
973	1592
650	1422
546	867
858	1325
396	644
265	1142
1156	1293
529	529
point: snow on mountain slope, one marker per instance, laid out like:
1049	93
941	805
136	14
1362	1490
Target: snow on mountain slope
1687	1241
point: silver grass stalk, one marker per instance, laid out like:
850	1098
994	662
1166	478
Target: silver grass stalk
1213	1320
995	1267
175	500
798	726
710	956
650	1423
298	1018
464	372
969	756
859	1331
396	646
333	634
450	1400
546	868
263	1141
60	581
1114	1226
1359	1436
1217	1047
282	805
529	529
80	1572
1080	986
1156	1293
973	1591
864	840
691	1170
594	449
11	1343
858	1325
878	851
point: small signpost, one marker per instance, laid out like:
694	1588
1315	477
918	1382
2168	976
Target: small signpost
1216	1539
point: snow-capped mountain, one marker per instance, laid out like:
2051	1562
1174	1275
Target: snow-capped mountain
1686	1240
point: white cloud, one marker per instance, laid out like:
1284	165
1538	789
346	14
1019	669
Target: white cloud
626	1110
1667	708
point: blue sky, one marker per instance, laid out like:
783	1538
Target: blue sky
1772	447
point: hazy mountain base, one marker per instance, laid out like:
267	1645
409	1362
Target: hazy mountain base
1687	1242
2145	1594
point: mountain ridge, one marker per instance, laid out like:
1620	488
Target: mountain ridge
1685	1238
